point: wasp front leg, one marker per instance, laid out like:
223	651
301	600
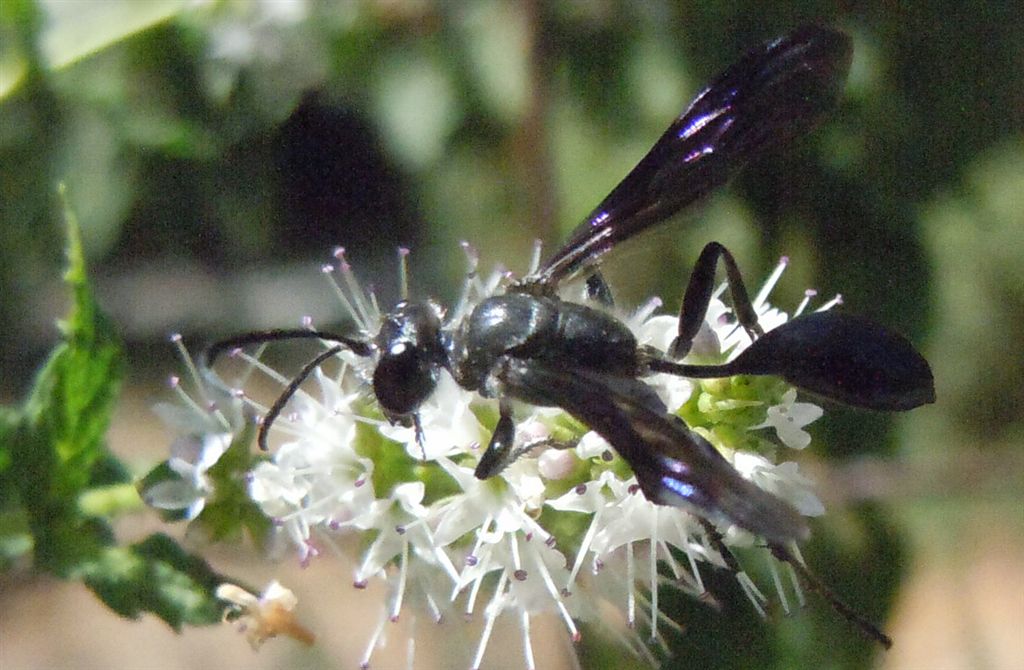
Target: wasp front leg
499	452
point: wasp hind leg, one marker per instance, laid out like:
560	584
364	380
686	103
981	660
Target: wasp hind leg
698	296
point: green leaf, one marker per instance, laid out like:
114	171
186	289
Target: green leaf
156	576
77	29
66	478
68	410
53	446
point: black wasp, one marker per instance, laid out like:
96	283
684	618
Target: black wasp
528	344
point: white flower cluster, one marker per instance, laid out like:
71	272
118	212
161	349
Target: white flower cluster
438	536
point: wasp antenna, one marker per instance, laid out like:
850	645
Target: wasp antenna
210	355
403	273
289	391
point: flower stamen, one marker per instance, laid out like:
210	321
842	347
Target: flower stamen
754	595
524	624
581	553
403	574
769	284
491	613
371	646
631	581
777	581
403	273
653	567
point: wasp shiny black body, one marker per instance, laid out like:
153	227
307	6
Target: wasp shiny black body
528	344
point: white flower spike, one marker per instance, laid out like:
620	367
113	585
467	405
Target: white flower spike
438	534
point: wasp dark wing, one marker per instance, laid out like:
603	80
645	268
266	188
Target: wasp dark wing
673	465
844	358
835	356
772	94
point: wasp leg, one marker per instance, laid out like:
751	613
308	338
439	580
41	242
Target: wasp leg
598	290
698	297
417	426
811	581
499	452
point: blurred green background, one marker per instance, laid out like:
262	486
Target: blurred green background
217	151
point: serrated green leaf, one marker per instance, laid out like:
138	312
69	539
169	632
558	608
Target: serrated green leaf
55	443
156	576
69	407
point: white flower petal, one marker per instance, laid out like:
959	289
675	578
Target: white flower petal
788	419
173	494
